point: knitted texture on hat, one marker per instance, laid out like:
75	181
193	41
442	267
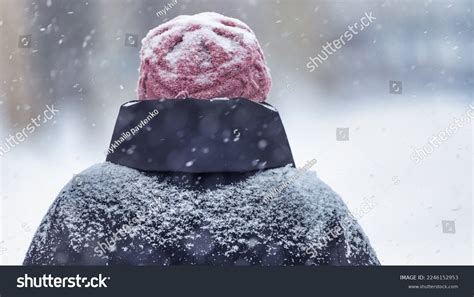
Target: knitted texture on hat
202	56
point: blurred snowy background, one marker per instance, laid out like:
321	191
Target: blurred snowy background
74	56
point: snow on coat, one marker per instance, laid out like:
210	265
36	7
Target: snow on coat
201	182
111	214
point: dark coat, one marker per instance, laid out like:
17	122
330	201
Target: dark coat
199	182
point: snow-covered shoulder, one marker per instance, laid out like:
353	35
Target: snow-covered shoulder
284	207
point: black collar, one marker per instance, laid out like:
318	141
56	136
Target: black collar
199	136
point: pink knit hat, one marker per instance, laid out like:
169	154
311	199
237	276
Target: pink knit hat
202	56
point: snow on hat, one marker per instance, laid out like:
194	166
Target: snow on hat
202	56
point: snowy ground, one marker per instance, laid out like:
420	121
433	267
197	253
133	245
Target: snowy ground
412	199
